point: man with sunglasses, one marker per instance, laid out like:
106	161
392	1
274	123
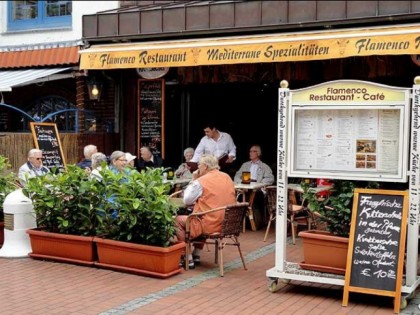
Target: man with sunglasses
33	167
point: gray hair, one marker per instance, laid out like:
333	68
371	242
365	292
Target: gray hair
257	148
97	159
116	155
188	150
32	152
89	150
210	160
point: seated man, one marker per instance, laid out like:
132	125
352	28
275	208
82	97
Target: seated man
87	152
260	172
208	189
33	167
148	159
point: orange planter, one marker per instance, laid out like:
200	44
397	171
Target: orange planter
62	247
145	260
1	233
324	252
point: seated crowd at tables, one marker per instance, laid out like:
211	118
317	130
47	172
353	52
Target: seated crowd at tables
209	187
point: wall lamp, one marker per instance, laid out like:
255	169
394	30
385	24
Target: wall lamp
94	88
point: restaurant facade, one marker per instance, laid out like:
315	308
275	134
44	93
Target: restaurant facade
222	61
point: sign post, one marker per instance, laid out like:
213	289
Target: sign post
377	242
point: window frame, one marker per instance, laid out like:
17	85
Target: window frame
41	22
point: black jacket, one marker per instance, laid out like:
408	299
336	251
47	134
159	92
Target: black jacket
142	164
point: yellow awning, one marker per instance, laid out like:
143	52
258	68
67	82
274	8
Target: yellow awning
321	45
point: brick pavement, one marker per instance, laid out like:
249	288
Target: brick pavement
41	287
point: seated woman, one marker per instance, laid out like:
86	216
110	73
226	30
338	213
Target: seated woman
117	162
183	170
97	160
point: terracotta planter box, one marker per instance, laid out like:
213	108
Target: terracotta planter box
145	260
324	252
1	233
62	247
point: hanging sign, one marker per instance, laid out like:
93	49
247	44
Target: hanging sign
152	73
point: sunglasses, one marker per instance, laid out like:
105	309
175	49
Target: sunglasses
38	159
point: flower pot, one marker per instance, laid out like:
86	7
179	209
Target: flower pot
62	247
324	252
1	233
153	261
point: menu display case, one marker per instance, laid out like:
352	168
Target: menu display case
349	130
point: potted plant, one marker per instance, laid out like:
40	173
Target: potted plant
136	225
8	184
65	206
326	250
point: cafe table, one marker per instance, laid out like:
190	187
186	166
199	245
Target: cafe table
241	189
317	189
177	183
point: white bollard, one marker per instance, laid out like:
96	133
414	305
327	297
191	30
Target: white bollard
19	216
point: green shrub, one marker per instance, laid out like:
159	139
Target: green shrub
137	208
8	181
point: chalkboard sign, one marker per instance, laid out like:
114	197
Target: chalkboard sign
46	138
151	116
377	242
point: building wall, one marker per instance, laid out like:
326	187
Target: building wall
30	37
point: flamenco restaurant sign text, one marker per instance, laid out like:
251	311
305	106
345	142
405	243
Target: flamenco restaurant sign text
255	49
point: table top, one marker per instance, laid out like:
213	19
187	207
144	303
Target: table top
316	189
177	181
250	186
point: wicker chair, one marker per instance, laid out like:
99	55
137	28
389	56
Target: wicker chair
229	235
297	214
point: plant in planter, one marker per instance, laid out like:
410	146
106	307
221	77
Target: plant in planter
8	184
138	217
335	213
66	206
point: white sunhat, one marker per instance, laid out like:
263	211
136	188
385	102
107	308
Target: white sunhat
129	157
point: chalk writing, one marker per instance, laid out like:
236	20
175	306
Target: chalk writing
151	115
376	241
47	139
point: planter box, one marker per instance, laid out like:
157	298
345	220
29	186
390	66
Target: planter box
1	233
324	252
62	247
145	260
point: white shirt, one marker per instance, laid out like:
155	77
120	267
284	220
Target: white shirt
223	145
253	169
193	191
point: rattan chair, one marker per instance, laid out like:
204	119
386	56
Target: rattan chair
229	235
297	214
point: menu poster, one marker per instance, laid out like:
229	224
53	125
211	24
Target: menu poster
46	138
377	243
354	140
151	115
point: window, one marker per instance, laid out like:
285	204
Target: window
24	15
47	105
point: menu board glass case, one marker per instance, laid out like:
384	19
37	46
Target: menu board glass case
342	132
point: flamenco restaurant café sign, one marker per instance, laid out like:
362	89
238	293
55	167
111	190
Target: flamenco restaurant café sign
403	40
